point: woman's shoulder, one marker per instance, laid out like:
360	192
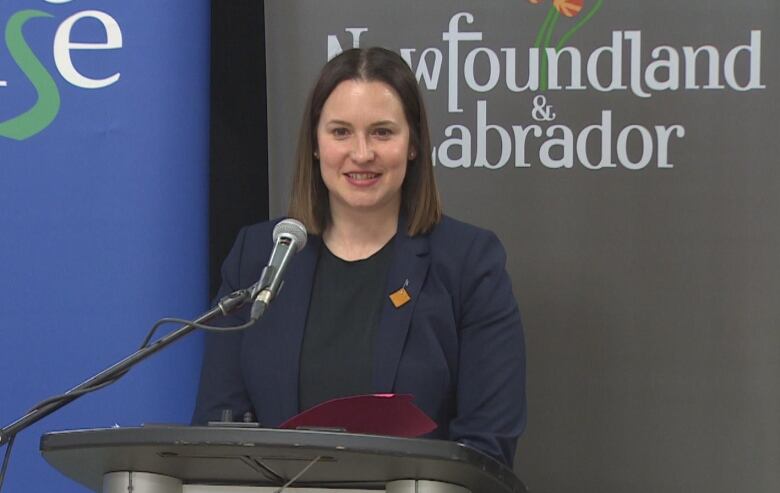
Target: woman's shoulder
252	246
456	239
462	233
261	230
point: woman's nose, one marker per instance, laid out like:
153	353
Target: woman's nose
362	151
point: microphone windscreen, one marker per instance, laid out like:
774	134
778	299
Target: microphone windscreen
291	228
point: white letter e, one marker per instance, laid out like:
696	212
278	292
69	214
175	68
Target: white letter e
63	47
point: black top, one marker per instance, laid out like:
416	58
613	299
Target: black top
346	302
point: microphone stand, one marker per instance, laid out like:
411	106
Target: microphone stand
225	306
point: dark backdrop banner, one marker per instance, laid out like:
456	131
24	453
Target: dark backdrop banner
103	210
238	181
626	153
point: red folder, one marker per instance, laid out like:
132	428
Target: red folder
375	414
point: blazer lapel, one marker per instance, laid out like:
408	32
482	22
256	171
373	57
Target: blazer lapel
289	311
408	269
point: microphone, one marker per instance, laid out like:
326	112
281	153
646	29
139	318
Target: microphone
289	238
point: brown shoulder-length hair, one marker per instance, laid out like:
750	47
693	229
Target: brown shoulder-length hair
420	203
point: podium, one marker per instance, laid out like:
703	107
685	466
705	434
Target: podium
181	459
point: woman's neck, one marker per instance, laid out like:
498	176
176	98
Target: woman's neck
355	235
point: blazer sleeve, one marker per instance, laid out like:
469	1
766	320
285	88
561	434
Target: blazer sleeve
221	381
491	403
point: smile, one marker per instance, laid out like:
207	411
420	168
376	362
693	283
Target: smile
363	179
362	176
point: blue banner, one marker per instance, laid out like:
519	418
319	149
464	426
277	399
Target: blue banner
103	210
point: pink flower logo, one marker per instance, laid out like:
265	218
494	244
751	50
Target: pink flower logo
569	8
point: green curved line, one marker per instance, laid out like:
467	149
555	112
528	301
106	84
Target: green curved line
566	37
538	45
47	106
543	29
545	45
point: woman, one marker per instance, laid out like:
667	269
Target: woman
388	295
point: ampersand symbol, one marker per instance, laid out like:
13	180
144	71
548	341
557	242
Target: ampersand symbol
542	112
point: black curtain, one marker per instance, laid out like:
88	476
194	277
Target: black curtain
239	139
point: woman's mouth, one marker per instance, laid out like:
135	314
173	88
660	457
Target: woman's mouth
362	179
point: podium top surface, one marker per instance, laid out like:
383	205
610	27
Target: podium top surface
268	457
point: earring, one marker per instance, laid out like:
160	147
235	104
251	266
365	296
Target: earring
412	155
316	155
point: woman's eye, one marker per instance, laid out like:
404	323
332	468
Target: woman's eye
340	132
383	132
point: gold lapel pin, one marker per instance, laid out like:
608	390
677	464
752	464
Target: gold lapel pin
401	296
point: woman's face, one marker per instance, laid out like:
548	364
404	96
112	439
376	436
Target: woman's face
363	147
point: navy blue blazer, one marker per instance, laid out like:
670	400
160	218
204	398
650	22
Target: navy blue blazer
457	346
